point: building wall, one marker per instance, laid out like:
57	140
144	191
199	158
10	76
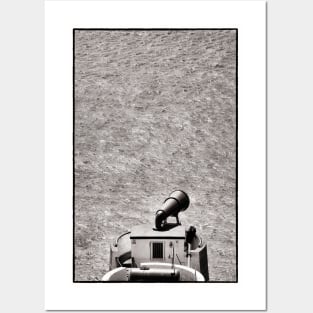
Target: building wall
141	250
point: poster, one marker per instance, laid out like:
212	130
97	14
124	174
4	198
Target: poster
143	99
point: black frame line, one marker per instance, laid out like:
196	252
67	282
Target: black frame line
73	95
73	149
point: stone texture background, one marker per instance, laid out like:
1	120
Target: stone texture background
155	111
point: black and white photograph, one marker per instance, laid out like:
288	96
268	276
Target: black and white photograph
155	167
155	155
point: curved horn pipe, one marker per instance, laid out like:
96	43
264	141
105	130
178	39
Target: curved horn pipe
177	201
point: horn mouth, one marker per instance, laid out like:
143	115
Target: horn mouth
177	201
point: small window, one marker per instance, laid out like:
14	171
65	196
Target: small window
157	250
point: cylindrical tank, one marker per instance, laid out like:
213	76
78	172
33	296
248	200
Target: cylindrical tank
159	275
177	201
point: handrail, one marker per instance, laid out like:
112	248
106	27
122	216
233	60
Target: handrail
119	237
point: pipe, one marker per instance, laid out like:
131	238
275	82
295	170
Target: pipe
188	255
177	201
153	274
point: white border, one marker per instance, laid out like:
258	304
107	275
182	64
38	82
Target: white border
249	17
